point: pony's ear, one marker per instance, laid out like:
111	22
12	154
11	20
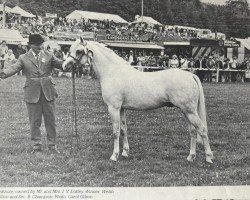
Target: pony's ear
83	41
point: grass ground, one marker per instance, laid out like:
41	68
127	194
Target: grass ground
159	141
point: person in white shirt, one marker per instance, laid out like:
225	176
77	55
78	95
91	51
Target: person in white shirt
131	57
9	58
234	63
65	53
3	50
140	60
174	62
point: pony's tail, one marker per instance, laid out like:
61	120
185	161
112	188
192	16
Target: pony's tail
201	108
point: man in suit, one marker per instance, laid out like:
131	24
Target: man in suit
39	90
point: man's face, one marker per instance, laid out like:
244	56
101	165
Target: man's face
36	48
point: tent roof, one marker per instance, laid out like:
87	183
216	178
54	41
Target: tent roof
7	9
11	36
148	20
133	45
22	12
78	14
187	27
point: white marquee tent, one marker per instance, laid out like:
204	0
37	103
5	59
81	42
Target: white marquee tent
11	36
7	9
21	12
78	14
148	20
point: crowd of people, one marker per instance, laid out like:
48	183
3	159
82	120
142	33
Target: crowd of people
49	26
143	61
209	63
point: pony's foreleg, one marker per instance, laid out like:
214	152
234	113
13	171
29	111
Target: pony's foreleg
195	120
192	154
124	130
115	116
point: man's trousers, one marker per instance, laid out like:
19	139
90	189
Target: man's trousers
36	111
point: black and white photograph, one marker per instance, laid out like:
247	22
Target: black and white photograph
125	99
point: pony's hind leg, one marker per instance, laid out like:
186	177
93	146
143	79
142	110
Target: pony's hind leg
193	135
195	120
124	130
115	116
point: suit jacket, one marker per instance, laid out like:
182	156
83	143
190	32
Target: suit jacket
38	75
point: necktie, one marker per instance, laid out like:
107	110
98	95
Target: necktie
37	59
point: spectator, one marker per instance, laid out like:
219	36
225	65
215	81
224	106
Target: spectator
124	56
191	64
234	66
151	60
140	60
9	58
181	61
19	51
162	60
198	65
174	62
219	65
3	50
243	66
24	48
65	53
234	63
131	57
184	65
204	66
226	66
210	65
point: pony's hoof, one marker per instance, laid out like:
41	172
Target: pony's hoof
114	157
125	154
191	158
209	160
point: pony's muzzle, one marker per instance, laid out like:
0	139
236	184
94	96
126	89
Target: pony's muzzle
67	64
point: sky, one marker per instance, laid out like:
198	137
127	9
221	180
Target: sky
220	2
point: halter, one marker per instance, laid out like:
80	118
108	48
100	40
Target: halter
84	43
79	59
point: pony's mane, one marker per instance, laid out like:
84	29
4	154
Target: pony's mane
100	49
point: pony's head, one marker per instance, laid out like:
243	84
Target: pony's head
79	53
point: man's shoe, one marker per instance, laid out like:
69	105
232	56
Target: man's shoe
34	151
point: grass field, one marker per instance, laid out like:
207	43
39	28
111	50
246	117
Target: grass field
159	141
